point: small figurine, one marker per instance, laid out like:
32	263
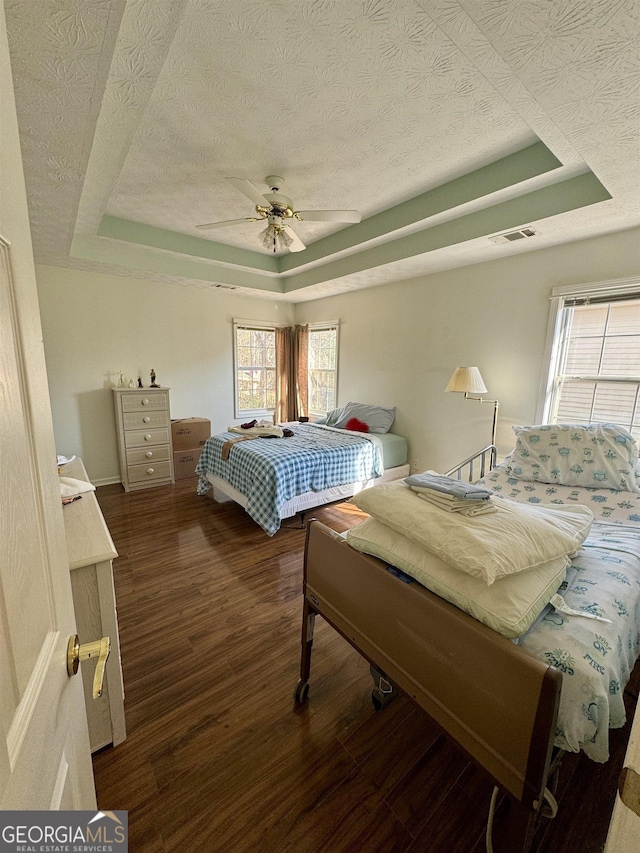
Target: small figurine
121	382
131	385
140	382
153	379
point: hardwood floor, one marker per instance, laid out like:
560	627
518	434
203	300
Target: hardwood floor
219	759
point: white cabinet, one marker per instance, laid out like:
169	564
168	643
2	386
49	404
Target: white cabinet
624	829
144	437
91	552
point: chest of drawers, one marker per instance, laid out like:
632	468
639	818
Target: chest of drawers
144	437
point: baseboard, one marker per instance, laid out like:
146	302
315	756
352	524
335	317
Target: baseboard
106	481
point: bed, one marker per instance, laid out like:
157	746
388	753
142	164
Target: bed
511	702
277	478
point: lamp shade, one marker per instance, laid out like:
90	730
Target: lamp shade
467	380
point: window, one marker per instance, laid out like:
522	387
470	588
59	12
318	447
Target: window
255	369
595	357
261	383
323	368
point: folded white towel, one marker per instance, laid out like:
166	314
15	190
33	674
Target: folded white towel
69	487
470	509
446	501
450	498
449	486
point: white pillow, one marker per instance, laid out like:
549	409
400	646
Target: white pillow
510	606
598	456
516	537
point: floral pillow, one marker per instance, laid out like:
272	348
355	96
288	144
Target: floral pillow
598	456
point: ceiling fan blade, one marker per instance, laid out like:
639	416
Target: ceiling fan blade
227	222
297	245
248	189
329	215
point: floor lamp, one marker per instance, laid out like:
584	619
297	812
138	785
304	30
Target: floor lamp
468	380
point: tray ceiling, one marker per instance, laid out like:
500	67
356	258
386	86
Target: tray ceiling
445	122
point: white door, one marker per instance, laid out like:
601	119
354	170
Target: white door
44	749
44	746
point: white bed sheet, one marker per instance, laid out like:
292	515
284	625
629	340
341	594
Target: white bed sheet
607	505
595	657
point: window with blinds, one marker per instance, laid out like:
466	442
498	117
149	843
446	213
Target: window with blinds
255	370
597	362
323	369
256	367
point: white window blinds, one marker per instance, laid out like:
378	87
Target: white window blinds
597	361
323	368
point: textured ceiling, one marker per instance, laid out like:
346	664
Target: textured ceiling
133	112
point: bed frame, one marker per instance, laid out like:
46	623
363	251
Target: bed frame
479	463
223	492
496	701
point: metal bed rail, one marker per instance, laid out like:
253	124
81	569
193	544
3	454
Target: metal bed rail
485	459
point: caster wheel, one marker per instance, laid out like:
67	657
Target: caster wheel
381	698
377	699
301	692
383	692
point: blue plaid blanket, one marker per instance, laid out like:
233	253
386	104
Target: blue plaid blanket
270	471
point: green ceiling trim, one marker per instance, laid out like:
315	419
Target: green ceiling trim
143	258
558	198
513	169
185	256
185	244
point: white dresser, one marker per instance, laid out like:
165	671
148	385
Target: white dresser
144	437
624	829
91	552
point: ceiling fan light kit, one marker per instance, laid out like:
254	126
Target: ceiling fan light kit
275	236
275	208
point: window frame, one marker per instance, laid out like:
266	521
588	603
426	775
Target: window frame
250	325
322	327
556	329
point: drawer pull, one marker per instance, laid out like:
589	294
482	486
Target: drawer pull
150	470
146	419
147	437
145	402
149	454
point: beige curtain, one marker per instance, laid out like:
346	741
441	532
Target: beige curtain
284	373
301	364
291	373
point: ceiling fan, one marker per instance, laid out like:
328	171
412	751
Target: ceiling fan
277	211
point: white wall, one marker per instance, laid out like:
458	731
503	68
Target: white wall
22	332
400	343
96	325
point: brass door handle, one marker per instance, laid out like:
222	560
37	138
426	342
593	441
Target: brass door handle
98	649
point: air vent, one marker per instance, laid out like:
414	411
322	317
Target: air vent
512	236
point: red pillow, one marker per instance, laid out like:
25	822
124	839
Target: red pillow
355	424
